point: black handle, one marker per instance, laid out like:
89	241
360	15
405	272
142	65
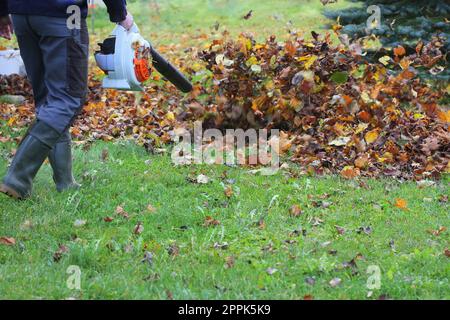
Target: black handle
170	72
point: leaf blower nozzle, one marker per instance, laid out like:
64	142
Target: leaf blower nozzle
170	72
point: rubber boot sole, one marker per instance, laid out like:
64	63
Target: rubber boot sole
10	192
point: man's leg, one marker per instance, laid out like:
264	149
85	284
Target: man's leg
64	55
69	86
32	57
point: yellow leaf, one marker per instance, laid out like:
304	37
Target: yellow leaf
372	136
170	116
309	60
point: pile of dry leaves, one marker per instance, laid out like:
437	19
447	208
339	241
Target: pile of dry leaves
341	113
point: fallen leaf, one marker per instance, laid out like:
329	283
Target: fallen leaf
340	230
210	221
138	229
121	212
228	191
79	223
335	282
62	249
401	204
270	271
399	51
438	232
173	250
350	172
229	262
372	136
8	241
202	179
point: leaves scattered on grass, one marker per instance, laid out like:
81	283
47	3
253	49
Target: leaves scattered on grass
121	212
437	232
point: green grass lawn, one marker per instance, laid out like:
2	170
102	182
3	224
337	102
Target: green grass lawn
230	260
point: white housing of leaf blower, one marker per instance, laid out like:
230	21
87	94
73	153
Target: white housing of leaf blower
119	59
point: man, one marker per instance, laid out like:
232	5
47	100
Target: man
56	60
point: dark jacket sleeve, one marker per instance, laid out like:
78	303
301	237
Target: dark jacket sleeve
117	9
3	8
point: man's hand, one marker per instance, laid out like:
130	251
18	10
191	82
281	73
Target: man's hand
128	22
6	27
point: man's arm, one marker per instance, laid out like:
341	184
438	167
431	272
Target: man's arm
6	28
3	8
117	9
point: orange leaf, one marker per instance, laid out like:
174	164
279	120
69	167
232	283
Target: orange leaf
401	204
399	51
362	161
350	172
295	210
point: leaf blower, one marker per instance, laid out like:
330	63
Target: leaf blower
125	57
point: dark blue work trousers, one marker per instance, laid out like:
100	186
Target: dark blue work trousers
56	61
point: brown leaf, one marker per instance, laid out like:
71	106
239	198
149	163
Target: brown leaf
210	221
151	209
438	232
173	250
229	262
350	172
121	212
138	229
8	241
228	191
340	230
295	211
62	249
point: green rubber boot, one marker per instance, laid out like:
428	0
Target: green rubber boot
60	158
32	152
